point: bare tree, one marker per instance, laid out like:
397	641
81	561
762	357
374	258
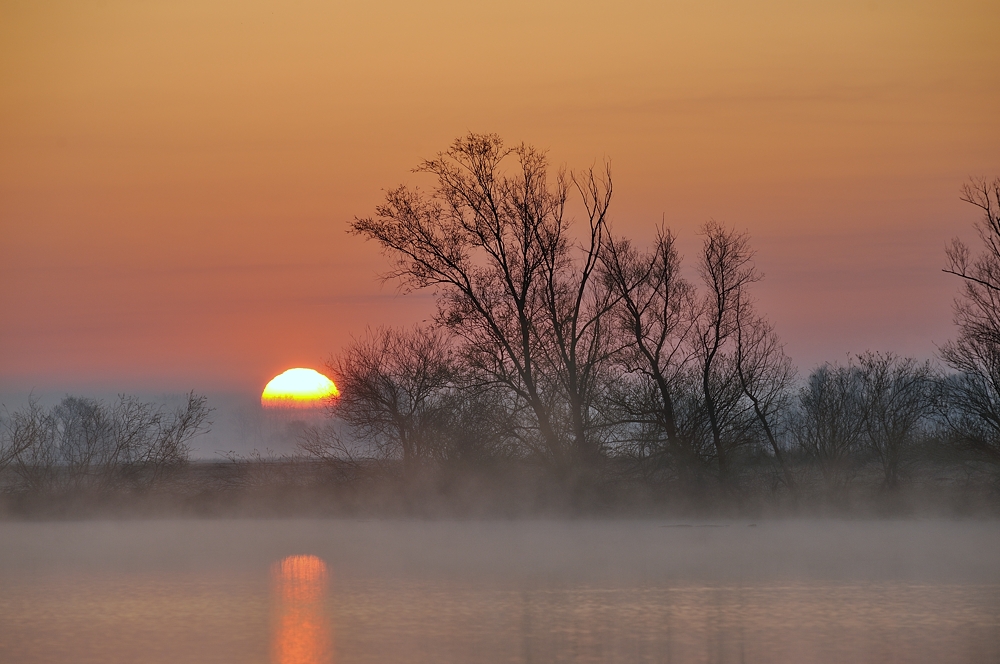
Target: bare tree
654	315
727	269
394	387
765	375
974	393
828	425
576	340
29	442
172	434
483	422
83	443
896	401
669	331
495	245
982	274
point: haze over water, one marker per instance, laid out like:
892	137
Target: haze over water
535	591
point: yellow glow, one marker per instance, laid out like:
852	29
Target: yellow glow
298	388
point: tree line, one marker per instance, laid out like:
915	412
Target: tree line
573	347
90	446
560	344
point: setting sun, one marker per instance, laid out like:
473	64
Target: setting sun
298	388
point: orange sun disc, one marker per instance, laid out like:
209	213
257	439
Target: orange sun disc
298	388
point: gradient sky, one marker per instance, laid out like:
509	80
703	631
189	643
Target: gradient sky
176	177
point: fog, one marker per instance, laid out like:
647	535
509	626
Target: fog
240	425
573	551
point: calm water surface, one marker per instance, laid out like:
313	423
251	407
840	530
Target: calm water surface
409	591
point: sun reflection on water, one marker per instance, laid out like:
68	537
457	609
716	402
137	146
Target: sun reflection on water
302	633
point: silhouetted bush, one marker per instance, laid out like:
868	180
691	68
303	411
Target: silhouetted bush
84	444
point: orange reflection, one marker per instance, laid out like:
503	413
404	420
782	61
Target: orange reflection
302	632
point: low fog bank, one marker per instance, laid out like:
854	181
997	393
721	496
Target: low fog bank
123	456
530	552
248	487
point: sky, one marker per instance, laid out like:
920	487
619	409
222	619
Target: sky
177	178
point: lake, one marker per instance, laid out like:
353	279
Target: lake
314	590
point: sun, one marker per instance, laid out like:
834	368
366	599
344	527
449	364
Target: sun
298	388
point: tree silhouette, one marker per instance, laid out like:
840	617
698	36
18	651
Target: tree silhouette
510	282
394	387
974	393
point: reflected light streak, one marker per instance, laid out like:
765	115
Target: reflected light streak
302	633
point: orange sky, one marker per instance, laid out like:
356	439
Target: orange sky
176	177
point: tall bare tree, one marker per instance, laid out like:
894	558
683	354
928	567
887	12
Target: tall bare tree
727	269
975	354
765	375
576	341
510	282
654	315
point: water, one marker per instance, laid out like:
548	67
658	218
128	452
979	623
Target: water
300	591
